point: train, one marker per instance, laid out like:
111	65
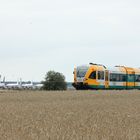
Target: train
98	76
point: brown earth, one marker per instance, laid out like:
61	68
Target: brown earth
70	115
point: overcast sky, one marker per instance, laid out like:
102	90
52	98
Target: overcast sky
41	35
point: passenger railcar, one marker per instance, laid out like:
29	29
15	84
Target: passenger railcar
96	76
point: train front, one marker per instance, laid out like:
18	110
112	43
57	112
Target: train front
79	77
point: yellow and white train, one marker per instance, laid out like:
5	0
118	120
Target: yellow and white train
96	76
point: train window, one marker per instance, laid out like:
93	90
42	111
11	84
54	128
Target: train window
137	78
101	75
117	77
122	77
131	77
81	72
93	75
113	77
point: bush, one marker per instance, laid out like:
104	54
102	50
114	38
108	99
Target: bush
54	81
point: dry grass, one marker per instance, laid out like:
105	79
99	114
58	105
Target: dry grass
70	115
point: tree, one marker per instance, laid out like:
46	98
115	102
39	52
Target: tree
54	81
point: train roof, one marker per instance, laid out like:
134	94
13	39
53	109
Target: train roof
123	69
137	71
115	69
82	66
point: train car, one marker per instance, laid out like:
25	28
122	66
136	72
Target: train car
97	76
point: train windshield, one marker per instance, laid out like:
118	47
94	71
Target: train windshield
81	72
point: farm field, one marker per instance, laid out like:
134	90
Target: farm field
70	115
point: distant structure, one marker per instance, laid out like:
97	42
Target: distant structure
19	84
2	83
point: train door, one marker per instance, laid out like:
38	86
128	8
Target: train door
106	79
131	81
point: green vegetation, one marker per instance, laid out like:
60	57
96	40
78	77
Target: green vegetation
54	81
